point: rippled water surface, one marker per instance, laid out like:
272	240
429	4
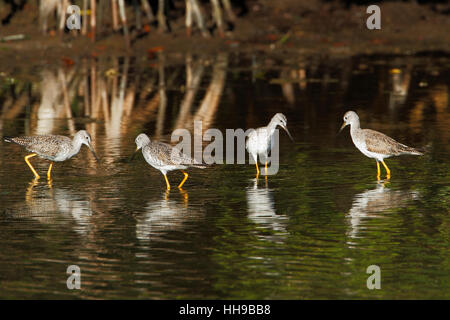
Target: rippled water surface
308	232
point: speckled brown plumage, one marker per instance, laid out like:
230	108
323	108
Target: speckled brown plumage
380	143
46	146
163	154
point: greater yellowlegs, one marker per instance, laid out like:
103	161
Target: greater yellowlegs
52	147
374	144
165	158
259	140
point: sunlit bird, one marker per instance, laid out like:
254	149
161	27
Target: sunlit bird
165	158
52	147
374	144
259	141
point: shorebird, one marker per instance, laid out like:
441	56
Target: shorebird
374	144
259	140
165	158
52	147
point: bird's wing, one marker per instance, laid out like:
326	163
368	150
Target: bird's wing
258	136
171	154
48	145
250	138
380	143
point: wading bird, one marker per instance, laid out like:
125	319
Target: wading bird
374	144
52	147
165	158
259	140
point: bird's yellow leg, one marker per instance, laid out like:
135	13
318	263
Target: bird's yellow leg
167	182
387	170
257	169
49	175
378	170
184	180
29	164
265	168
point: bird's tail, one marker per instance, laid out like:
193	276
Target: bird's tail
201	165
21	141
412	151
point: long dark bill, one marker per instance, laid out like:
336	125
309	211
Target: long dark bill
289	134
343	126
133	155
93	153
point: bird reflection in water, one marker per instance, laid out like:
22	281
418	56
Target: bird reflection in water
373	203
52	205
261	211
170	213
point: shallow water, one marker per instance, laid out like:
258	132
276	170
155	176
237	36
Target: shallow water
309	232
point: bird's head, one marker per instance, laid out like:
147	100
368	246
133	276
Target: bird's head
350	117
141	141
84	137
280	120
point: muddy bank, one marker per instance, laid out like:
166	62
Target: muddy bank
287	29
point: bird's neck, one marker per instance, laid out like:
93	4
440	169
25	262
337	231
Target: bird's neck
271	127
354	127
76	146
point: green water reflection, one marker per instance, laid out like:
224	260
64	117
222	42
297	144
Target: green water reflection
308	232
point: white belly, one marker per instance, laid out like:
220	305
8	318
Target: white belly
361	145
258	142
